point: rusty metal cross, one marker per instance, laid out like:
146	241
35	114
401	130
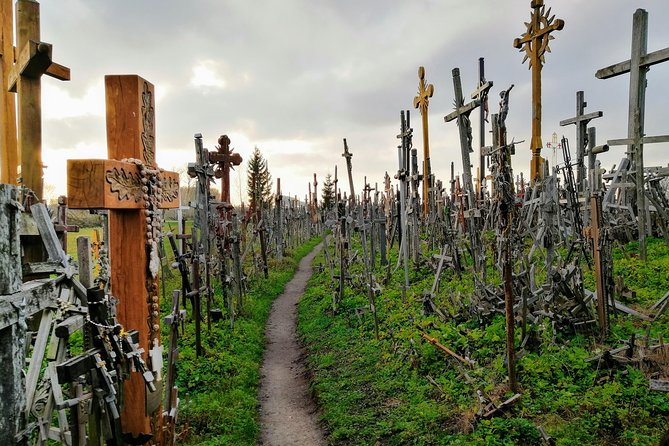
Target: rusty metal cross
535	44
421	102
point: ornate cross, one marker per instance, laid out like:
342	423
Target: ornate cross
133	188
535	44
637	66
226	160
421	102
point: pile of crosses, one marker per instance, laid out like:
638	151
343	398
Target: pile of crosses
537	236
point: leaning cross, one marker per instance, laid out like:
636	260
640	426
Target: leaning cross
535	44
133	192
32	61
462	112
637	66
581	122
421	102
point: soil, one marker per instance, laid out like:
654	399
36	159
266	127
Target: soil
288	414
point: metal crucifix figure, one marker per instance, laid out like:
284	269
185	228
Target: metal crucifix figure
535	44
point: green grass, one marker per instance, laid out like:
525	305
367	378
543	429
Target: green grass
401	390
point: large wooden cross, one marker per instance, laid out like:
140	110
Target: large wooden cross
481	93
535	44
31	59
421	102
581	120
129	189
461	113
8	153
637	66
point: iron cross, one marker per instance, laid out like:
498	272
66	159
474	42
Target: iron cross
535	44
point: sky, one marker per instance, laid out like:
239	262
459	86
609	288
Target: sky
294	77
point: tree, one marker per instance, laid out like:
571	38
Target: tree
258	181
328	194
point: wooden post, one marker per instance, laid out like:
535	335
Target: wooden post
12	337
535	44
422	102
129	190
637	66
9	161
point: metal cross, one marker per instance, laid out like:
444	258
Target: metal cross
535	44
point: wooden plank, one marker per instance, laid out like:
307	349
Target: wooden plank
85	260
659	385
643	140
9	157
10	246
112	184
37	357
34	59
48	233
58	71
624	67
577	119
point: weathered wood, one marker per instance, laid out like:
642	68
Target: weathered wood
448	351
659	385
85	261
645	61
9	157
10	247
422	102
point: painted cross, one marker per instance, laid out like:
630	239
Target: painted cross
637	66
133	192
581	120
535	44
421	102
225	159
32	61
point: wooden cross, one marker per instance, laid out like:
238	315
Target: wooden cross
421	102
32	60
637	66
461	113
481	93
9	161
225	160
129	190
348	155
535	44
581	120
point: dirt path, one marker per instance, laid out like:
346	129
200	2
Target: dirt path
288	416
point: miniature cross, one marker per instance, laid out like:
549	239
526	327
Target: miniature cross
535	44
421	102
637	66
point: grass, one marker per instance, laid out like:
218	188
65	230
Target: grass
401	390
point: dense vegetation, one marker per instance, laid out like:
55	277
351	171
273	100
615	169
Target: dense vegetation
402	390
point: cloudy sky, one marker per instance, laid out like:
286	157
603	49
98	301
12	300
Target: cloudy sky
294	77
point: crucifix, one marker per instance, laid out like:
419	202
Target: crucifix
637	66
134	189
33	59
581	120
535	44
421	102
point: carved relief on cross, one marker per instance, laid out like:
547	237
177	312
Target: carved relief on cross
421	102
535	45
133	188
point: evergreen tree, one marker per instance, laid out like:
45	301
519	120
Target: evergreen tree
328	194
258	181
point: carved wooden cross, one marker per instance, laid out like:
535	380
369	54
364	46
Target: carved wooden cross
581	122
32	60
421	102
637	66
461	113
226	160
129	190
535	44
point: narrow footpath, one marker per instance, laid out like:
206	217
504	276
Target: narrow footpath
288	416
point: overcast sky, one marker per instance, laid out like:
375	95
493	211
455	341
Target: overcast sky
294	77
